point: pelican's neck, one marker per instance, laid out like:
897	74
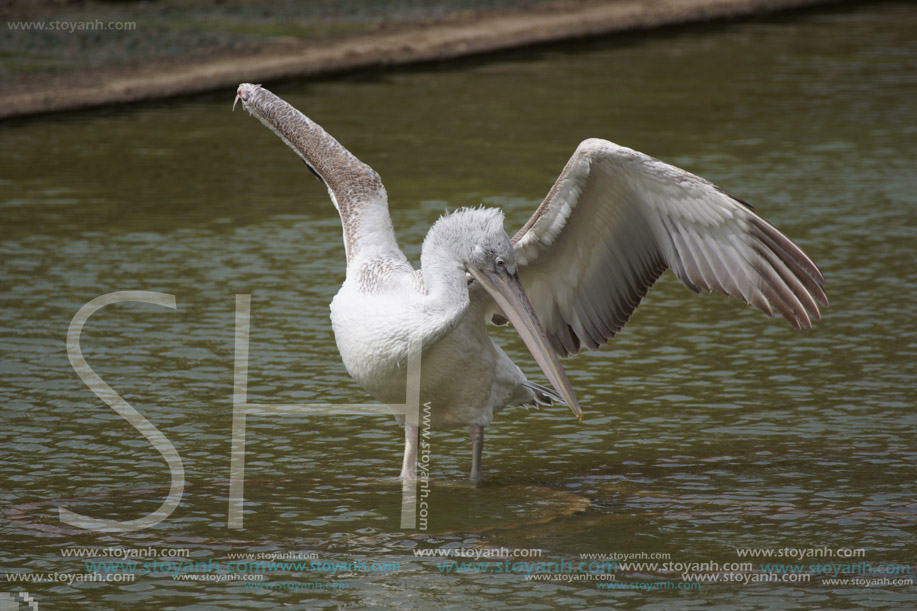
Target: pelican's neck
443	274
450	243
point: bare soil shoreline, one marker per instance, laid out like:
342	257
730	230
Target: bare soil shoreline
406	42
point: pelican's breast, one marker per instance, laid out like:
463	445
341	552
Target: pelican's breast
466	377
378	315
372	320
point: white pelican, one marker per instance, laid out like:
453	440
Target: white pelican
570	278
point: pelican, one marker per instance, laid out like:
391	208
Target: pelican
569	279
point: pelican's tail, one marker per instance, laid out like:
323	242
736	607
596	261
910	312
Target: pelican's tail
542	395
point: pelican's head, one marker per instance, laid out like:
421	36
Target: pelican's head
487	246
470	238
473	240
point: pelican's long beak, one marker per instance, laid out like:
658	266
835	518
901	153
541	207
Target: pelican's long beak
509	294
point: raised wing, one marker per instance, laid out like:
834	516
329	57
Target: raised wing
355	188
616	219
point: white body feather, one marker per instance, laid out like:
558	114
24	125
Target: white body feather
465	377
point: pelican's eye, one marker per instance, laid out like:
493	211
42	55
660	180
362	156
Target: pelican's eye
500	263
469	278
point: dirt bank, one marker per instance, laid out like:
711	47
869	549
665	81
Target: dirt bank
414	38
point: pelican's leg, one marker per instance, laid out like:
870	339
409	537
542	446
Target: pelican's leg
476	432
409	467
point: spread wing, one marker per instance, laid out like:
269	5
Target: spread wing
355	188
616	219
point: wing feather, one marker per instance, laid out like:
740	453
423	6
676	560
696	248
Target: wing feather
616	219
355	189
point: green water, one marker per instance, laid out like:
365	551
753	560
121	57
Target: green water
708	428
